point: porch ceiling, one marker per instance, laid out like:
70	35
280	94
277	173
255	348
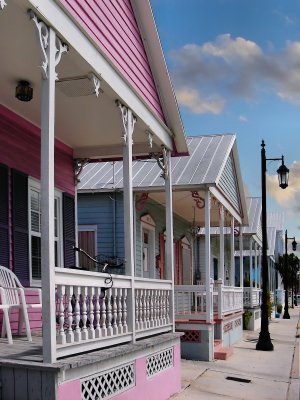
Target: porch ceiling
91	126
184	205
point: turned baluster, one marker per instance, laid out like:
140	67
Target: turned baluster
70	334
97	313
84	331
61	339
91	331
77	333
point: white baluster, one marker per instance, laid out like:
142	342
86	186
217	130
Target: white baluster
114	311
167	307
77	333
141	310
61	338
125	326
97	313
84	331
147	308
70	334
109	313
103	313
119	303
137	302
151	308
164	307
155	307
91	332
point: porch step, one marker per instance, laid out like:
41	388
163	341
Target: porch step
221	353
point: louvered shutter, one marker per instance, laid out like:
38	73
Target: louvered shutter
4	217
20	226
69	229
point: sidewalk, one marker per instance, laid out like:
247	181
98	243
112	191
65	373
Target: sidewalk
273	375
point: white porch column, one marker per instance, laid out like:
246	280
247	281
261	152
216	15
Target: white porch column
52	50
251	262
128	120
221	263
232	264
169	229
255	264
209	310
259	262
241	258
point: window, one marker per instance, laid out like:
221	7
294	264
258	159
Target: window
35	229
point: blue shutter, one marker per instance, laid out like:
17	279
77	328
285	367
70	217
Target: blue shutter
4	217
20	226
69	229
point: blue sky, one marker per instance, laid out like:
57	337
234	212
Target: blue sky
235	66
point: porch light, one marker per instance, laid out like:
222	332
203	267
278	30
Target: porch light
24	92
283	175
294	245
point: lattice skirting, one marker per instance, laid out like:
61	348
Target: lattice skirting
159	362
108	383
191	336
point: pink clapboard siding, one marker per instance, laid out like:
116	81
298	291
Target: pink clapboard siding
159	387
113	27
20	145
35	315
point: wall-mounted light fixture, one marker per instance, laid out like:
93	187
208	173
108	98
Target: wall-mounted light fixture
24	92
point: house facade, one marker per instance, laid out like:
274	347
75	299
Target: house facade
78	84
208	198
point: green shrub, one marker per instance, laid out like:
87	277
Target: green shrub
279	308
246	318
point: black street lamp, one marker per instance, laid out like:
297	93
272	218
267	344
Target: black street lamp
264	340
286	314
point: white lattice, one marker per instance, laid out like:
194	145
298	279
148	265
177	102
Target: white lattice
108	383
159	362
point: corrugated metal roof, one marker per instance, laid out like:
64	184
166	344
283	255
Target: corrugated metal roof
275	219
208	155
254	213
271	235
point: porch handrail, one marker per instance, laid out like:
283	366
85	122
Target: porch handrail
232	298
252	297
90	314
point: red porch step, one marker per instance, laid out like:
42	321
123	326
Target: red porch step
221	353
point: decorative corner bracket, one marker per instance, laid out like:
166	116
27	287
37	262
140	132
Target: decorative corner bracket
43	31
2	4
97	84
162	161
128	121
199	201
150	138
79	163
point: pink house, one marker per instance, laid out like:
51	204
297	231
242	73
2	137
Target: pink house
83	81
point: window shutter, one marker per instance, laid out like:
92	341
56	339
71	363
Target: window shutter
4	217
69	229
20	226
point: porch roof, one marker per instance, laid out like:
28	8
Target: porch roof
213	163
91	126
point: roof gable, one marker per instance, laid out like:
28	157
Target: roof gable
228	183
112	25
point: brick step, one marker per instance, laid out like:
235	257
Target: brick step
223	353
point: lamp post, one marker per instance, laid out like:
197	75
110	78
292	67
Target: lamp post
264	340
286	314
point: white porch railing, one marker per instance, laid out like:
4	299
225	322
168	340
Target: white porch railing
89	317
252	297
190	301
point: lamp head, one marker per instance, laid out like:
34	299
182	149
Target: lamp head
283	175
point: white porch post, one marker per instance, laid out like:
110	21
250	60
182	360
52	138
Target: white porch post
221	264
259	257
52	50
207	257
169	230
251	263
232	267
128	120
47	205
241	258
255	264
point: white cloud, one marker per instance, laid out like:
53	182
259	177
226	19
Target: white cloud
192	100
242	118
234	67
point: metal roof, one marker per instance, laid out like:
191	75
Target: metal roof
275	219
271	235
208	155
254	213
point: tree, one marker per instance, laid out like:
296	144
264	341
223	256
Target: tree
288	271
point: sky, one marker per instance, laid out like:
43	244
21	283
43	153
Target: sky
235	67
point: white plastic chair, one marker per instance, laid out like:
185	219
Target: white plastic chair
12	295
